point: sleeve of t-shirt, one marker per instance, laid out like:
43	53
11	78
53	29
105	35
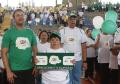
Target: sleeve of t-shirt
83	36
0	42
6	40
34	40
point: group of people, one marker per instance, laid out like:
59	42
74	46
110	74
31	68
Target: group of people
106	49
20	45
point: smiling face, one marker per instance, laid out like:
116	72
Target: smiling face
55	42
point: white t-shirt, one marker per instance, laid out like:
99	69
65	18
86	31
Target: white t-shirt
117	36
33	16
1	62
41	16
72	39
55	76
113	62
104	48
117	40
61	13
118	58
43	47
90	50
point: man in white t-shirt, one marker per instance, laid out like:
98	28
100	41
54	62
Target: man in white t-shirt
74	40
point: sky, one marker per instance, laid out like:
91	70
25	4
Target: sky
41	2
15	3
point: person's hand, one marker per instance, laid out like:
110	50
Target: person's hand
85	65
35	72
98	37
115	52
73	61
10	77
35	60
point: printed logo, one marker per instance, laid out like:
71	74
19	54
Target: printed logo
22	43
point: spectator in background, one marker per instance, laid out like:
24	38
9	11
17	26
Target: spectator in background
1	18
91	45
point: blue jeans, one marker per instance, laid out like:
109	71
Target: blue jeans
75	73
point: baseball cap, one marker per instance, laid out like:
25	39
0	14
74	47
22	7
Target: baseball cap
55	34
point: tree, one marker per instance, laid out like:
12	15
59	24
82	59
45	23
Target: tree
65	1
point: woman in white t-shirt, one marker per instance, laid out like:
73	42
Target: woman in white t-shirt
103	57
42	46
59	76
90	55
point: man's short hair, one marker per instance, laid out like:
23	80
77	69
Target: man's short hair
17	11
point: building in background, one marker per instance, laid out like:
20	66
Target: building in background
78	3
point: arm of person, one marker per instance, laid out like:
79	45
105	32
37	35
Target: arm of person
92	45
5	59
84	48
10	74
34	46
97	42
5	48
84	54
116	47
35	50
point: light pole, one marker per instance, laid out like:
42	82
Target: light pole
7	3
76	4
56	2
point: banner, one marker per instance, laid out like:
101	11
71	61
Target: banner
55	61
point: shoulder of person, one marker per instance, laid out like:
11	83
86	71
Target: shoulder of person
30	30
10	30
63	29
81	30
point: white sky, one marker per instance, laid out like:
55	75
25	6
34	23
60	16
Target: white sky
42	2
37	2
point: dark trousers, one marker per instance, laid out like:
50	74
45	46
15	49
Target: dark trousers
119	74
3	78
114	76
39	79
104	73
24	77
90	70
